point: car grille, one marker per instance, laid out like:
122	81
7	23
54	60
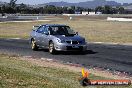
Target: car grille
68	42
73	42
71	48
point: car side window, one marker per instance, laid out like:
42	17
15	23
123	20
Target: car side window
40	30
45	30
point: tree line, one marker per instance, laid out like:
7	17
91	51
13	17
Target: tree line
12	8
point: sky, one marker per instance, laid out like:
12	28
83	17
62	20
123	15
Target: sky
45	1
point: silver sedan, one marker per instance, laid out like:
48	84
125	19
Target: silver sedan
56	38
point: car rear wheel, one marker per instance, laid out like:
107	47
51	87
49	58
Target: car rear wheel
33	45
51	48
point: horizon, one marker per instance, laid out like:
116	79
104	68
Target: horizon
73	1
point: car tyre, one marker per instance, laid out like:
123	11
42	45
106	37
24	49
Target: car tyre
51	48
33	45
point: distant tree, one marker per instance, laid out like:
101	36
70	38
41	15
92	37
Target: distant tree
12	3
73	8
99	9
12	7
121	10
70	10
90	9
59	10
8	9
0	9
22	8
79	9
108	10
64	9
50	9
3	8
41	10
114	10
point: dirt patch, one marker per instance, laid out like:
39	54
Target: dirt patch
45	62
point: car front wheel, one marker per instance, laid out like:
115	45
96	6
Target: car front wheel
33	45
51	48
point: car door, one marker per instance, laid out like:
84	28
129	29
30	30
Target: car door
39	32
45	37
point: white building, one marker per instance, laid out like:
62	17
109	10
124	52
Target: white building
85	12
90	13
98	13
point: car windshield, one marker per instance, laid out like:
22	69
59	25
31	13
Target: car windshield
61	30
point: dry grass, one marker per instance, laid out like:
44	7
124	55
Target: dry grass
19	73
93	30
15	73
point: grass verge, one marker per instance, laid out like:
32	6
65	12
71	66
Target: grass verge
16	73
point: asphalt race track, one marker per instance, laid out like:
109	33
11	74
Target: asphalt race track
29	18
112	57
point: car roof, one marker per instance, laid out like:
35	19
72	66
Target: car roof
54	25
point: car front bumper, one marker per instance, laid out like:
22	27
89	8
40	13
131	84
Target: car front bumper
70	47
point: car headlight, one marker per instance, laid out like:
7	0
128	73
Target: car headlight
61	41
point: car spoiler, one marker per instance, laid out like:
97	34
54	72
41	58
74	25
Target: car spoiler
36	27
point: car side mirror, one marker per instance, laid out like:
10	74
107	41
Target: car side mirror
33	29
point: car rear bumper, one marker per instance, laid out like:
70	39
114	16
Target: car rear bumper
70	47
